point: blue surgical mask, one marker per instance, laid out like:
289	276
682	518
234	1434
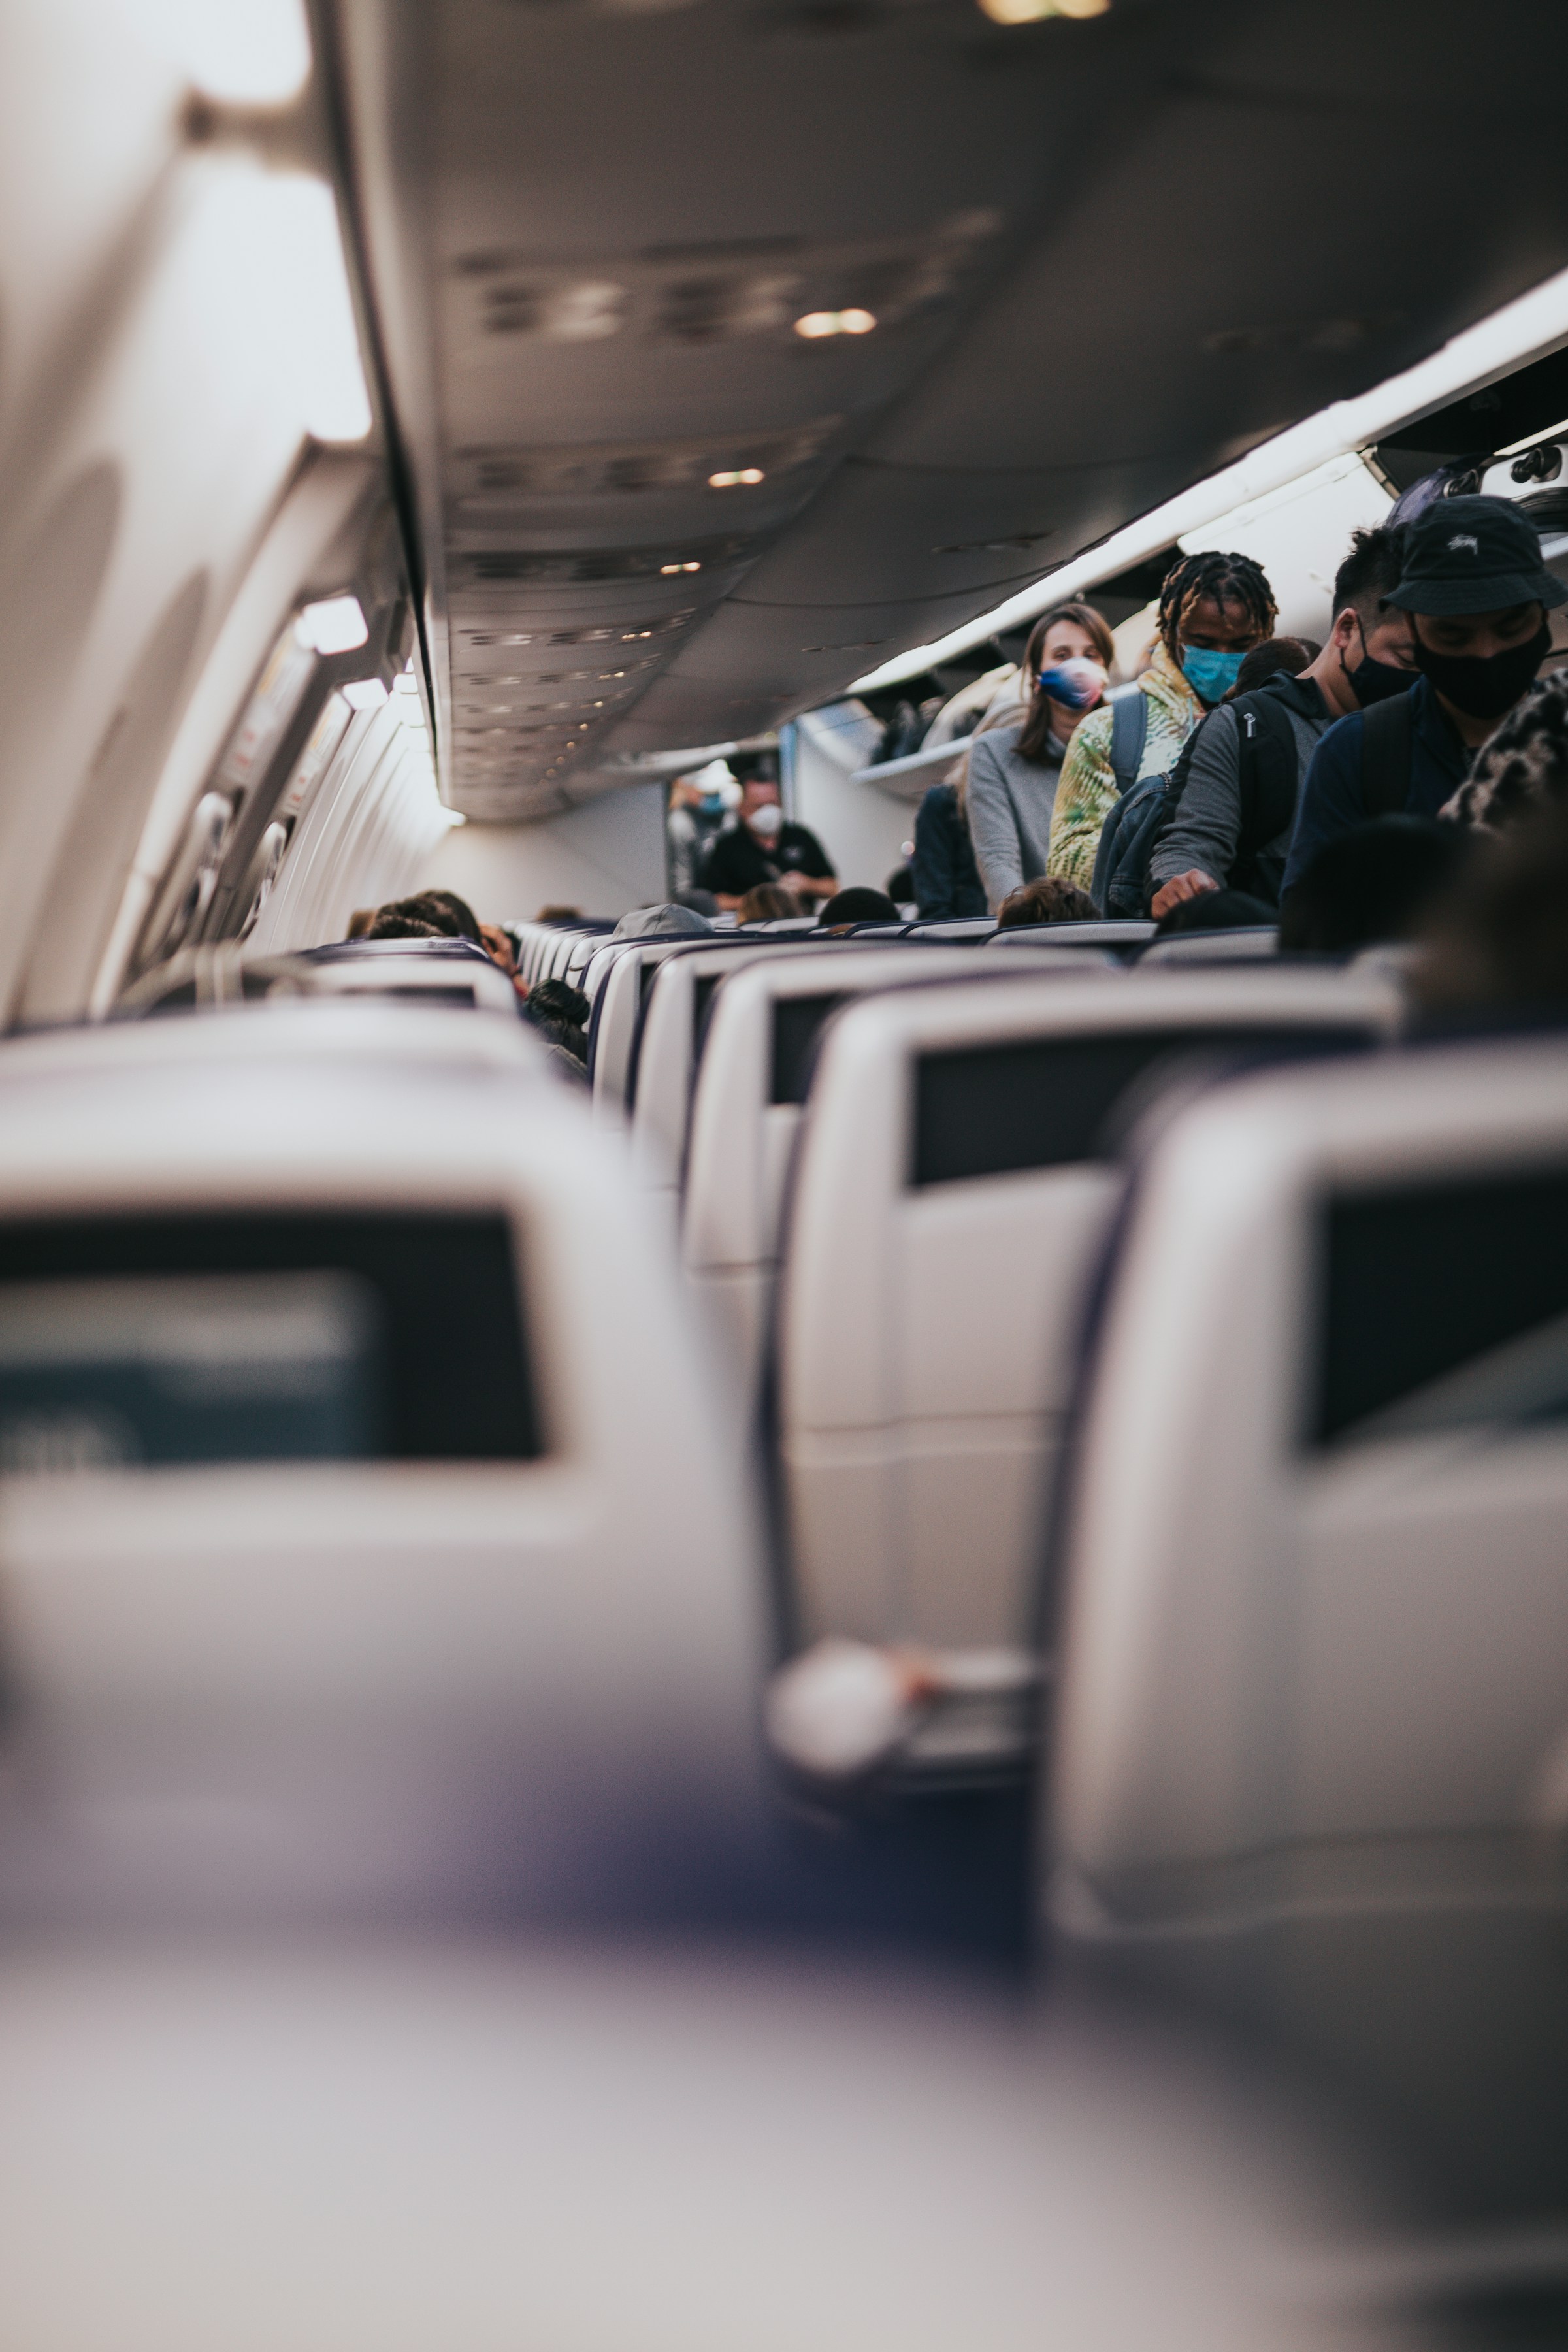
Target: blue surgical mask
1211	676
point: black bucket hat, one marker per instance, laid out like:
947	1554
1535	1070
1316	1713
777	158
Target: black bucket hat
1473	555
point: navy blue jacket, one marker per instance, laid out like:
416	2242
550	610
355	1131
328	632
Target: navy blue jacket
947	880
1332	801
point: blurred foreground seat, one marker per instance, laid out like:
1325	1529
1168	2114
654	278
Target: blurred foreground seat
1312	1753
348	1558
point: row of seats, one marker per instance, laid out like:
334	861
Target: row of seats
1240	1407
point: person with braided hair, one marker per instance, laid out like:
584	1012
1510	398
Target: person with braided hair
1214	608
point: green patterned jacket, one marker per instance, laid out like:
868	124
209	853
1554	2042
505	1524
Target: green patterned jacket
1086	791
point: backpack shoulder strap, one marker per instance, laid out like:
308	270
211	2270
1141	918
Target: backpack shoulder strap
1268	776
1386	737
1129	733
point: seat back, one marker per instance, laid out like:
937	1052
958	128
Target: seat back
953	1186
1245	943
1313	1749
329	1574
1123	938
665	1043
754	1068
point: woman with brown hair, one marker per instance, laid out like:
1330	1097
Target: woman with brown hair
1014	767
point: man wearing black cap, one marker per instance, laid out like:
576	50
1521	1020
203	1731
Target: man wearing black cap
1477	594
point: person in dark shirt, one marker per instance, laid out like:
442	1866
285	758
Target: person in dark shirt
1478	596
946	877
763	847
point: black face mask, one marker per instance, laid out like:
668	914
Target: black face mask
1485	686
1376	681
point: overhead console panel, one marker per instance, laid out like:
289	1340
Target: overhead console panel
735	344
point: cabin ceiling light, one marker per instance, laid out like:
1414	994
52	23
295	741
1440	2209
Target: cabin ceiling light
667	569
334	626
746	478
815	325
1029	12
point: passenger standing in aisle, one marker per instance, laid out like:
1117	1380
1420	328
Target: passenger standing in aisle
697	808
946	878
765	846
1249	760
1213	609
1478	596
1015	770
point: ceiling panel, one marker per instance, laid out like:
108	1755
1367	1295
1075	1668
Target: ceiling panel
1100	258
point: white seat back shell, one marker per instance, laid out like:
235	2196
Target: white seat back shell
935	1268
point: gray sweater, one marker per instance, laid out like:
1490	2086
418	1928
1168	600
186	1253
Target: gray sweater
1207	831
1010	801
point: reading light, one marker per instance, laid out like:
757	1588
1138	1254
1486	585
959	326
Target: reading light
667	570
818	323
1029	12
364	694
335	626
745	479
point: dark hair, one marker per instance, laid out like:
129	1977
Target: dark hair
462	914
561	1012
1049	899
360	922
390	924
426	907
1374	884
767	902
1214	910
1035	732
1371	571
1291	654
858	905
1229	578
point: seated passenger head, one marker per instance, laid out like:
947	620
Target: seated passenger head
770	902
360	922
671	920
390	924
1371	640
458	910
1213	609
561	1012
1048	900
1523	765
425	907
1375	884
1065	671
1214	910
1290	656
1499	940
858	905
1479	598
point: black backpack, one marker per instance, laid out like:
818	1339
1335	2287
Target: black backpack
1140	821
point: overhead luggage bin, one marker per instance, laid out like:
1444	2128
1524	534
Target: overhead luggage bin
752	1084
1310	1757
955	1182
330	1586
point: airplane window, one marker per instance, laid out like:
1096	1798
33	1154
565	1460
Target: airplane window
240	1338
1444	1307
1048	1102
